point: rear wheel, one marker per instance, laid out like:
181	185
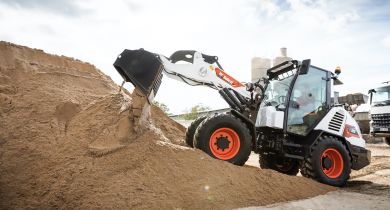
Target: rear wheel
283	165
224	137
190	133
387	140
328	162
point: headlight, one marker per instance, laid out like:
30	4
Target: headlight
350	131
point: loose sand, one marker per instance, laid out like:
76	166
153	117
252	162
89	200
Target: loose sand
66	142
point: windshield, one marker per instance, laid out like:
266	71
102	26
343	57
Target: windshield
277	89
381	96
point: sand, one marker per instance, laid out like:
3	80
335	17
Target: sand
66	142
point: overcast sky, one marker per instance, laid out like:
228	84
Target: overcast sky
353	34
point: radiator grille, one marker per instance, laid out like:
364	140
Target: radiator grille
381	120
336	121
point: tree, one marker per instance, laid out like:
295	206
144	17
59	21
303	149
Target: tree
192	114
162	106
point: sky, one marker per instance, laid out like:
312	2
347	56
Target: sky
353	34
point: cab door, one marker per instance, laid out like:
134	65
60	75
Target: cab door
308	98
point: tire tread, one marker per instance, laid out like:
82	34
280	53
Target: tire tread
221	117
307	169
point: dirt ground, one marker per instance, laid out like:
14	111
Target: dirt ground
67	142
368	188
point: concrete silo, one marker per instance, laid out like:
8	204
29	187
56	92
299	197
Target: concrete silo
282	57
259	68
260	65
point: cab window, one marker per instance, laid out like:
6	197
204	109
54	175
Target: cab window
307	101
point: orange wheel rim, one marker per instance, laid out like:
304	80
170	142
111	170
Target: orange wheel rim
224	143
332	163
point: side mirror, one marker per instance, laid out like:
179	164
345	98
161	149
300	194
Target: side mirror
371	92
304	68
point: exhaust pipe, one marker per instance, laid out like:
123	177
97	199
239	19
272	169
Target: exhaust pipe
142	68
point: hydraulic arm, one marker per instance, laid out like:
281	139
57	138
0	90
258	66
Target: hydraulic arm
145	71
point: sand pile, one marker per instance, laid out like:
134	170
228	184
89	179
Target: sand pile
66	142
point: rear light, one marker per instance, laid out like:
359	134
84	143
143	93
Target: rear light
350	131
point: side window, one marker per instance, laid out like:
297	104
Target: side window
307	102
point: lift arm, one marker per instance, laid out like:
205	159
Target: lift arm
145	69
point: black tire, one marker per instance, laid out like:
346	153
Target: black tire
237	141
387	140
314	166
190	133
283	165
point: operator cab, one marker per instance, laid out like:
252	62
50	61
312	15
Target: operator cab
298	93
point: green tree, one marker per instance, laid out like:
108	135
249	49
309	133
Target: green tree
192	114
162	106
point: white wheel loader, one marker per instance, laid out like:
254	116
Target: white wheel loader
287	118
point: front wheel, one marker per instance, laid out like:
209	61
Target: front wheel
224	137
191	131
328	162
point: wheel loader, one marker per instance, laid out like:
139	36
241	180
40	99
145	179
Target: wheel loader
287	118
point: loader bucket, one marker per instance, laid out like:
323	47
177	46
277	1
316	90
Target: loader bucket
142	68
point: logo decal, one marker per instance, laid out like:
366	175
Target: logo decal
227	78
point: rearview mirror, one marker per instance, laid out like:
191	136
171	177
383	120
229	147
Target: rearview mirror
304	67
371	92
